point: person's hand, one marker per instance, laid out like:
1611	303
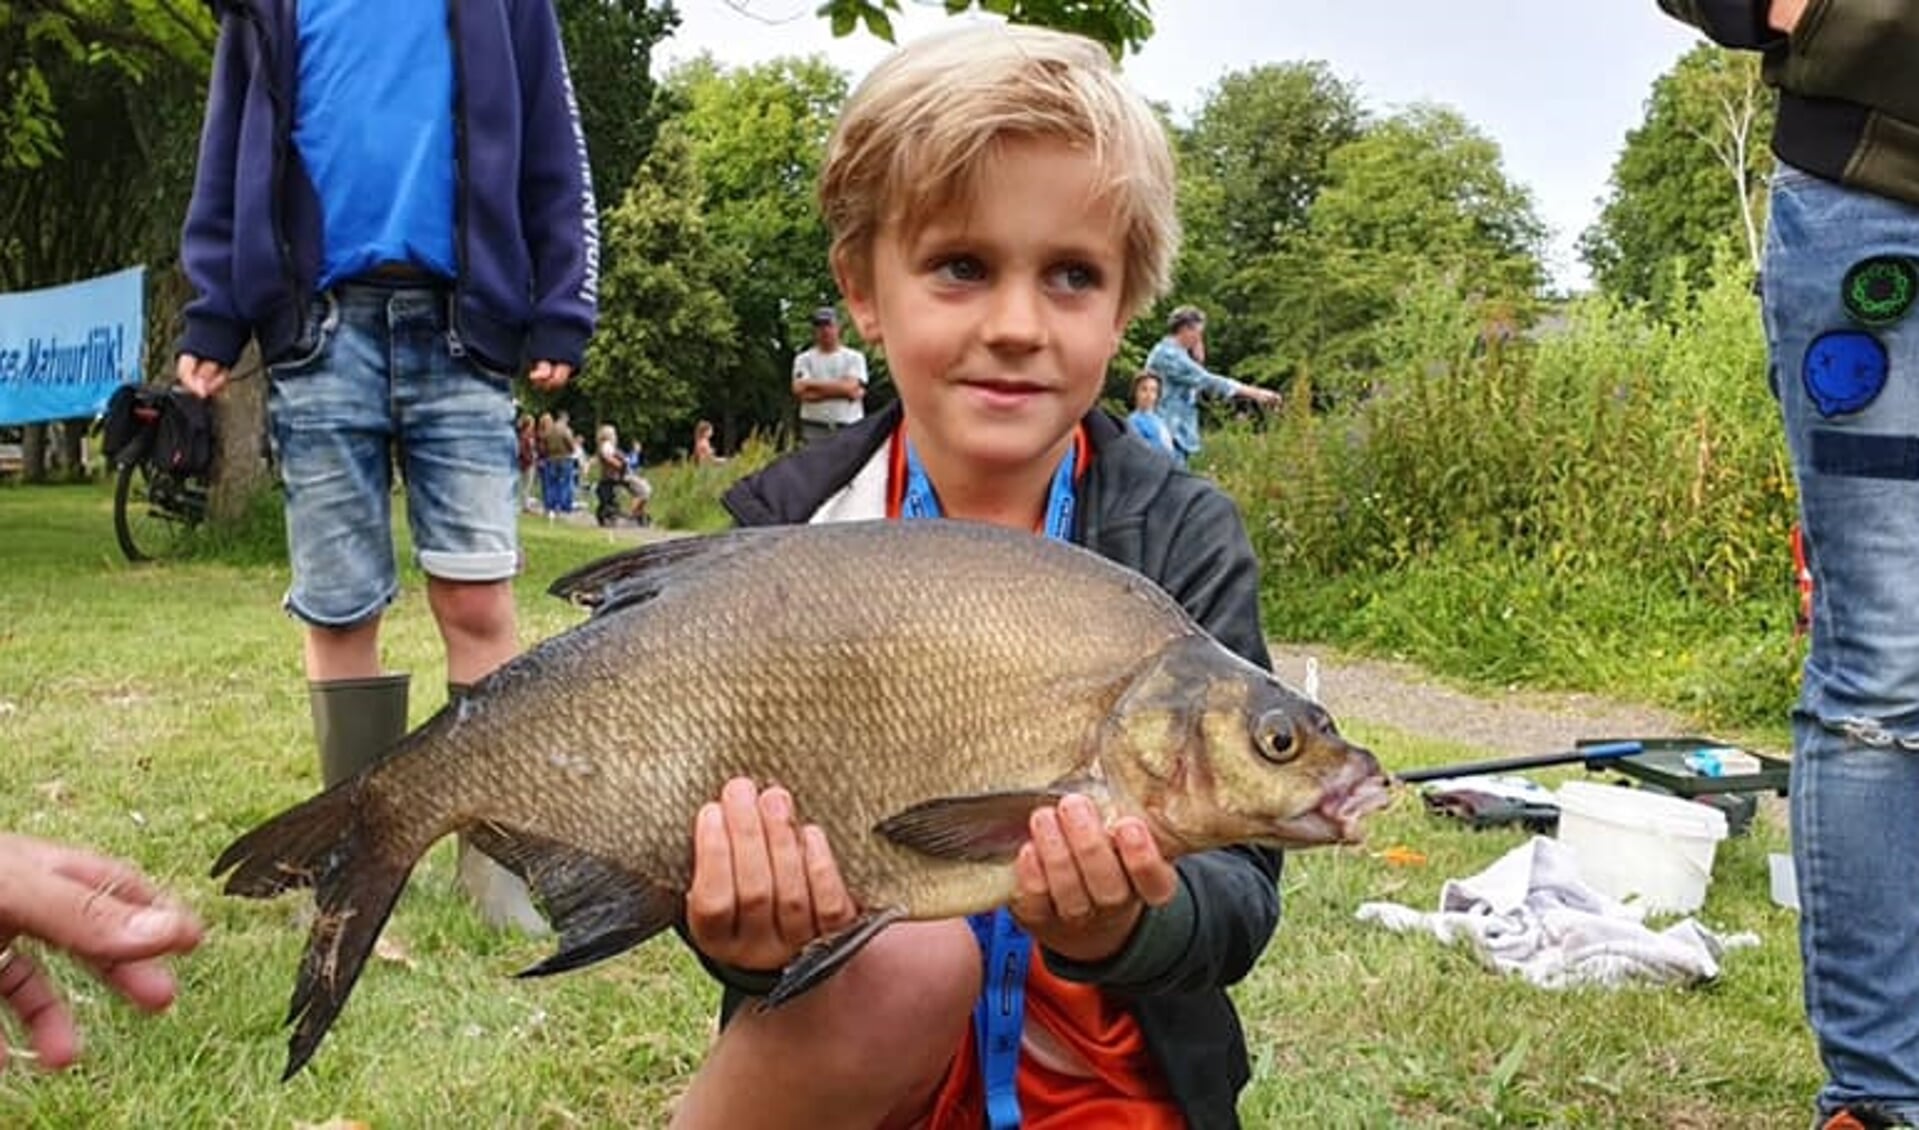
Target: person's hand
550	376
100	910
762	886
1783	15
199	376
1081	887
1264	397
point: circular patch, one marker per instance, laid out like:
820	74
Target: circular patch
1879	290
1844	371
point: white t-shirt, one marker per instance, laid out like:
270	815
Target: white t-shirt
838	365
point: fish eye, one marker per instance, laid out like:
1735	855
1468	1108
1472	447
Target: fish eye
1273	735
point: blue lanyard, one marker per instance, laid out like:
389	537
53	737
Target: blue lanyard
1005	949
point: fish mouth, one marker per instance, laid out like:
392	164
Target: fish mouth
1337	818
1345	811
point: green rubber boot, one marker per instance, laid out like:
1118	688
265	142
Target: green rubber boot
502	897
356	722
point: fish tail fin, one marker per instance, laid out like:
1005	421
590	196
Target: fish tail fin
328	843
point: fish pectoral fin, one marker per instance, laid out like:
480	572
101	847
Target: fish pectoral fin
984	828
827	955
598	908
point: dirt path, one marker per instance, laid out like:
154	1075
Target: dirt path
1514	723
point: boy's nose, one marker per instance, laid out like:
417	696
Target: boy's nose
1016	317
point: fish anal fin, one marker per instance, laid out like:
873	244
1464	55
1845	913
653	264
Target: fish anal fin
981	828
599	909
827	955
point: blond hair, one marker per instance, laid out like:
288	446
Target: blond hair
913	140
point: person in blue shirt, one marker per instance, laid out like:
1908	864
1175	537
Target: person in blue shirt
1178	360
394	201
1145	421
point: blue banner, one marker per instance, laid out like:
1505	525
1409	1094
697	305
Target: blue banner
65	349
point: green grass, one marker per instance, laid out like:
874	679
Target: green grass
158	712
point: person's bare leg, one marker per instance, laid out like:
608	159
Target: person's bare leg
868	1048
476	621
343	653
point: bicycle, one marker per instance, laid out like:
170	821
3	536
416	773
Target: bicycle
156	507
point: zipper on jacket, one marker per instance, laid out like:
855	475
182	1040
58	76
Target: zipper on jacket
284	109
455	343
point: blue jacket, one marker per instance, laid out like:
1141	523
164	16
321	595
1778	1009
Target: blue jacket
526	229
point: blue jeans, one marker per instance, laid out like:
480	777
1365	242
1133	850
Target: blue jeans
1849	395
376	372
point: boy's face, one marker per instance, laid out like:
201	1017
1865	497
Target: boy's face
999	320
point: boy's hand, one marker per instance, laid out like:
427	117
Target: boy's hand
1083	888
762	886
200	377
1783	15
548	376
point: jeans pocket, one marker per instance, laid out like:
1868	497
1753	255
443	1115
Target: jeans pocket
322	321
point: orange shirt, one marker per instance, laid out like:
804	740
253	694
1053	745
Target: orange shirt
1086	1067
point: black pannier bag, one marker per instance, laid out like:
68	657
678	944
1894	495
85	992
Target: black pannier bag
183	438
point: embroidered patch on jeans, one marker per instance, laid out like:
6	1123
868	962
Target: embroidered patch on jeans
1855	455
1878	291
1844	371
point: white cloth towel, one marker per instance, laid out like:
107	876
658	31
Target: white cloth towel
1530	914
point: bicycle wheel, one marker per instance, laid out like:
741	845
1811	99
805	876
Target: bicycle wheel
154	512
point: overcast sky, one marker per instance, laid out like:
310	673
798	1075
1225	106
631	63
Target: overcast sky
1556	84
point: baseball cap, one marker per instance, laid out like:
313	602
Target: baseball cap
826	316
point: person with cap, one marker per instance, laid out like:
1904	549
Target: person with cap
1838	281
829	380
1177	362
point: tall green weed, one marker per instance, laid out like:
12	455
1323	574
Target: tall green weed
1605	501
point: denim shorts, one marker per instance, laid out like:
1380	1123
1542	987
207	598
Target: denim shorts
379	375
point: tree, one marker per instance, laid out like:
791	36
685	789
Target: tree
1123	25
109	196
1690	178
1420	193
609	49
134	38
757	136
665	322
1251	165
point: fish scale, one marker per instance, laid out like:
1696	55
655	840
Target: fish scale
918	687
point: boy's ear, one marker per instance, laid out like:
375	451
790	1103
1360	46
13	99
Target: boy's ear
859	301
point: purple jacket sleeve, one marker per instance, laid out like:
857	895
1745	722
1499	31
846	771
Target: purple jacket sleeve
215	329
556	193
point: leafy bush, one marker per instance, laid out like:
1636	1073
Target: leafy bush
1578	506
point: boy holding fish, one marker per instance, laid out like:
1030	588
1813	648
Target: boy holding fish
1001	206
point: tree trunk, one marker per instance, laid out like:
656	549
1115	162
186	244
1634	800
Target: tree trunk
73	434
33	453
240	468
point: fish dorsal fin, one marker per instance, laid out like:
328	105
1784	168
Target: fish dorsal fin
827	955
600	910
981	828
635	576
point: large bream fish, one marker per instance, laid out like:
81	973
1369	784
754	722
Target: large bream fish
918	687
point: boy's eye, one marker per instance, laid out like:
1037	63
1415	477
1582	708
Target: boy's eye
1076	277
960	268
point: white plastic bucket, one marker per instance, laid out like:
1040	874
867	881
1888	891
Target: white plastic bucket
1654	849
